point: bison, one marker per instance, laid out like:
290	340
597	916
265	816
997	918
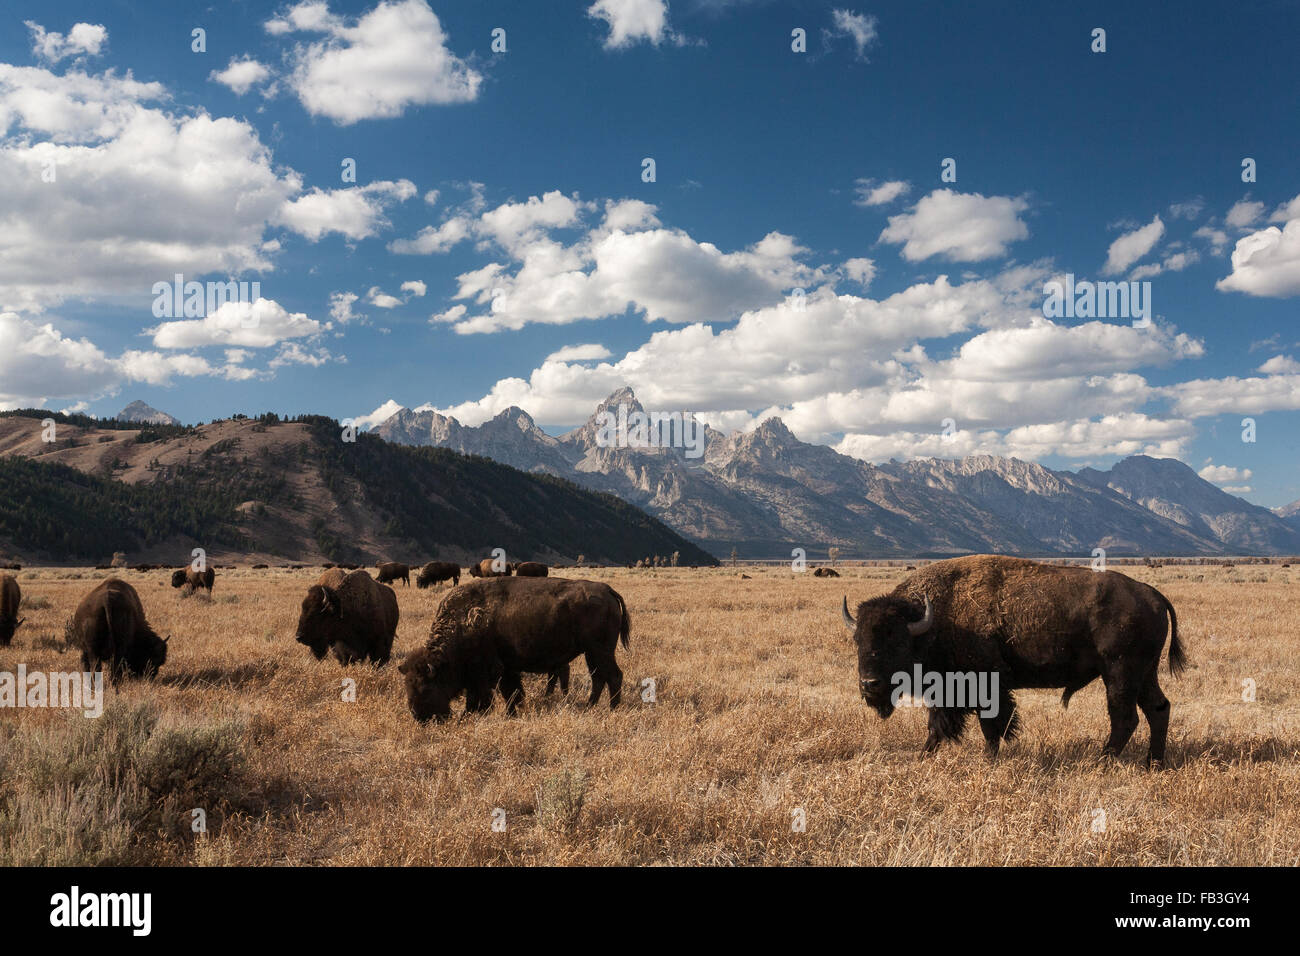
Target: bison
1031	625
194	580
110	629
393	571
486	569
11	598
530	569
350	614
435	572
826	573
486	634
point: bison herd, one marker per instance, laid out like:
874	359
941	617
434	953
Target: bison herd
1015	623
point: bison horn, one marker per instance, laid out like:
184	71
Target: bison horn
851	624
917	628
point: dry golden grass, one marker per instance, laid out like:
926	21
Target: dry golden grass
756	718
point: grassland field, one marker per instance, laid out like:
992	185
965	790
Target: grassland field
755	749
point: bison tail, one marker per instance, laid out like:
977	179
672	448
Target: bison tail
624	624
1177	656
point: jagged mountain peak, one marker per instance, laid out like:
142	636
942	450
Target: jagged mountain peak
145	414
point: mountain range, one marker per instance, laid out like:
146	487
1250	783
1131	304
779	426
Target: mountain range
764	493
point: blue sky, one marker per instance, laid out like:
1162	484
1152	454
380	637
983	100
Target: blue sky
507	188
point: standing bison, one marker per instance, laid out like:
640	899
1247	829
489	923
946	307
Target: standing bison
530	569
391	571
110	629
487	633
485	569
351	615
11	598
1021	624
435	572
194	580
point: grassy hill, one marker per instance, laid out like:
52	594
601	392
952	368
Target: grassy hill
271	488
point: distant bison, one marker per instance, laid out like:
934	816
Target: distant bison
1027	625
435	572
110	629
487	633
530	569
826	573
351	615
11	598
393	571
193	580
486	569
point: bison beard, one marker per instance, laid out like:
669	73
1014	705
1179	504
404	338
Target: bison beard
485	634
1034	625
350	615
11	598
110	629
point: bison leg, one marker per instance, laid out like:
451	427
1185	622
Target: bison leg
605	670
597	681
512	689
558	676
1155	707
1121	702
1000	726
945	723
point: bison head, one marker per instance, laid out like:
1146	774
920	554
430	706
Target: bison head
321	611
147	655
8	624
178	578
431	684
891	634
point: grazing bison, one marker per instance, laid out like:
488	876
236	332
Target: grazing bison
393	571
487	633
826	573
194	580
1031	625
435	572
110	629
530	569
484	569
11	597
350	614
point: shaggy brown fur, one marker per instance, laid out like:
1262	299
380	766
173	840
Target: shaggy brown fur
435	572
485	634
530	569
484	570
826	573
391	571
351	615
193	580
110	629
11	598
1035	625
